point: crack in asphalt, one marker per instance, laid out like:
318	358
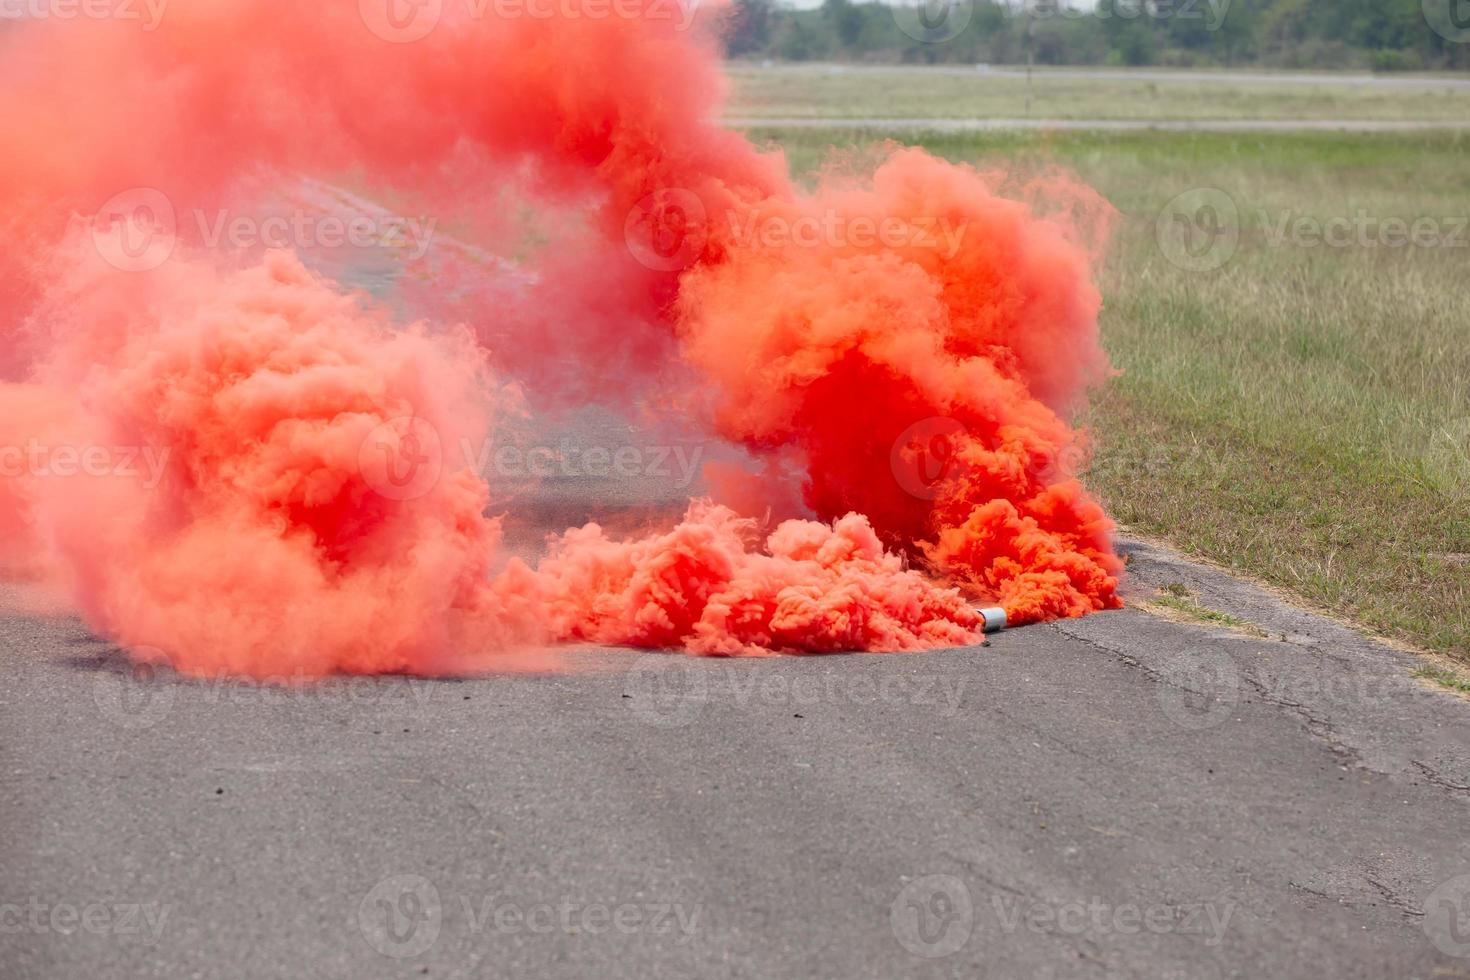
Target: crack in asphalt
1393	898
1312	723
1434	776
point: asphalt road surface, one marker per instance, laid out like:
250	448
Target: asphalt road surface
1114	796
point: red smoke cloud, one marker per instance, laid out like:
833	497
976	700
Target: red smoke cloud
903	348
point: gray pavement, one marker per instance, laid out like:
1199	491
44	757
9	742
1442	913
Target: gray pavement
1112	796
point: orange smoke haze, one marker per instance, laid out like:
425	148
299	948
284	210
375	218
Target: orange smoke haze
222	454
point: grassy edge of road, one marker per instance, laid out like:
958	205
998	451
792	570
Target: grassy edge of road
1293	404
786	92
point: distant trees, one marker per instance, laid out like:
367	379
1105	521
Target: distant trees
1381	34
748	30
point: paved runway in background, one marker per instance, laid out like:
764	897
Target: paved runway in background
930	124
1114	796
1330	79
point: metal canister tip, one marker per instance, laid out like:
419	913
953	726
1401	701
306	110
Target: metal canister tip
995	619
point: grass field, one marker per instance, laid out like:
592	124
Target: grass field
1293	408
787	93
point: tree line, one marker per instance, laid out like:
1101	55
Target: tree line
1384	35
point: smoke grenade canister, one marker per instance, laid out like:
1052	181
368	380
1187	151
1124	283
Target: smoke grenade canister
995	619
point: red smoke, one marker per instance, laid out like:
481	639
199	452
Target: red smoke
904	348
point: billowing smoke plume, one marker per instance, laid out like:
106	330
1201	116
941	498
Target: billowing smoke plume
227	459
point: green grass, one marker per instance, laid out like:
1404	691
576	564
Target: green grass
1182	602
1444	678
1299	413
796	92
